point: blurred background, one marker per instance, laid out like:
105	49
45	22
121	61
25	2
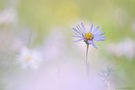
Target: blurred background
45	26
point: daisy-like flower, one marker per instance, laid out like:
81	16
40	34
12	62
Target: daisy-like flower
88	36
29	58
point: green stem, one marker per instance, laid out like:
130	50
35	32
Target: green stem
87	65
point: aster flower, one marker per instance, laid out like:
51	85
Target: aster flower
88	36
94	34
29	58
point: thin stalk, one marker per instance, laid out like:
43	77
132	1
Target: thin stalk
87	65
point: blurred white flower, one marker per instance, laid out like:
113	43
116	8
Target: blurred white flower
8	15
106	75
29	58
123	48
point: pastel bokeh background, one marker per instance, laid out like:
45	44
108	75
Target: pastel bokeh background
46	26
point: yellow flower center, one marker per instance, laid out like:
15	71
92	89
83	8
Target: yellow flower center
89	36
28	58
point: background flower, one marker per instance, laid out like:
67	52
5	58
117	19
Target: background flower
29	58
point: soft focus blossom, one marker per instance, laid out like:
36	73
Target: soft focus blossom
29	58
124	48
106	75
8	16
94	34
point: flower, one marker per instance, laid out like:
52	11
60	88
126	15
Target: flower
29	58
106	73
107	76
125	47
8	16
94	34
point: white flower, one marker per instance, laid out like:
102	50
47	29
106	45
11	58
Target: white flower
124	48
106	75
29	58
8	16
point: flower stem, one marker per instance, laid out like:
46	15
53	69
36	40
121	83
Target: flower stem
87	65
